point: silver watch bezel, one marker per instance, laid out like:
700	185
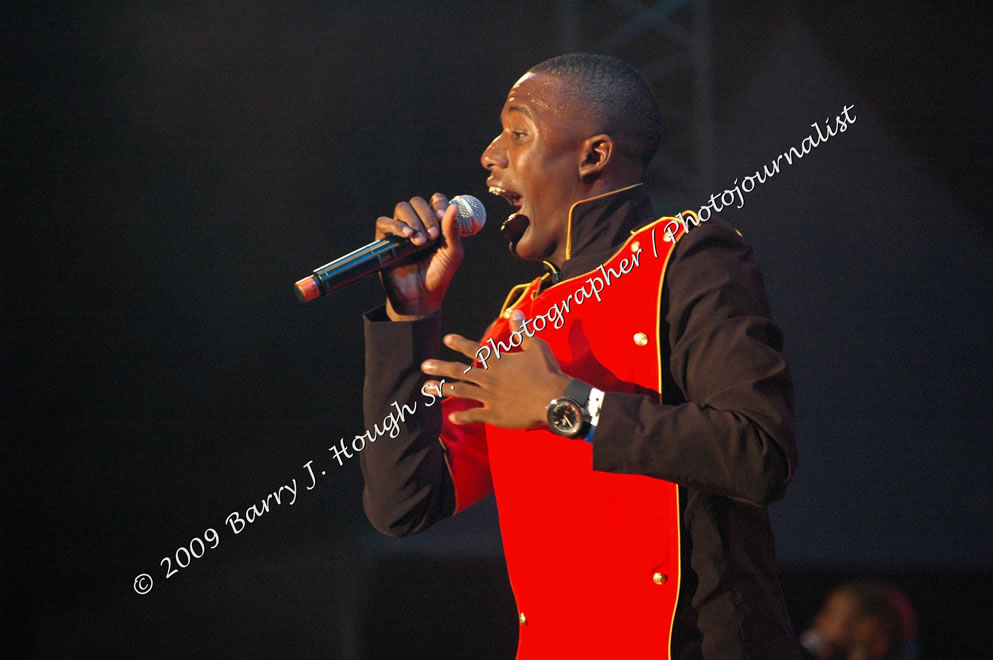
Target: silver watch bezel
558	404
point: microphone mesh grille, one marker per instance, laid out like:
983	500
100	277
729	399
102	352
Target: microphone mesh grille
471	214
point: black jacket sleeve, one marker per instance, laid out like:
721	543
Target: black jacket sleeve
407	484
731	429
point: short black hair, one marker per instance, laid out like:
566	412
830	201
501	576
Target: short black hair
616	94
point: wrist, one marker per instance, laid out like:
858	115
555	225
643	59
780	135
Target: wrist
575	411
409	313
556	389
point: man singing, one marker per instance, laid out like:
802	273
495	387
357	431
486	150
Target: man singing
631	408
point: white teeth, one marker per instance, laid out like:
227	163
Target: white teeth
512	197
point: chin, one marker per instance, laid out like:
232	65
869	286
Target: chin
525	243
524	249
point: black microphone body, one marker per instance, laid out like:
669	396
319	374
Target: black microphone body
380	255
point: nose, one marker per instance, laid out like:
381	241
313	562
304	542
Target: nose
494	155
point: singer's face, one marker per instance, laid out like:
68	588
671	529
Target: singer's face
534	164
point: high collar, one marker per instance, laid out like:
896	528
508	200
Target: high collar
597	226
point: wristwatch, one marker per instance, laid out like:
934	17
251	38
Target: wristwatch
569	415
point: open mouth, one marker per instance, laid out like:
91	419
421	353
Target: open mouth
513	198
516	224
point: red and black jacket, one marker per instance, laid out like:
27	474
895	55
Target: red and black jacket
655	540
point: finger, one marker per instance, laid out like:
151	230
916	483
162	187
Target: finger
386	226
518	325
470	415
406	214
428	217
439	202
448	370
466	347
450	230
461	390
436	387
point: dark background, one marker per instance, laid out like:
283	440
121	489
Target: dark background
170	169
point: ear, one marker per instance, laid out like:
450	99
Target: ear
596	152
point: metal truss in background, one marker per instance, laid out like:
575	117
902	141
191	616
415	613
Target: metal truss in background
669	42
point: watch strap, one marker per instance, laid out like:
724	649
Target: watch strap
579	392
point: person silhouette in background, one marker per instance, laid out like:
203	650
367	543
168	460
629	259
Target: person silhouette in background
864	620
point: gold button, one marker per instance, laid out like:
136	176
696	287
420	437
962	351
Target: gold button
657	577
635	246
640	338
507	312
523	619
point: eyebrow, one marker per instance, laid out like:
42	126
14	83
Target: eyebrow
521	109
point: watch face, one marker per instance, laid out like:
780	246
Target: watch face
565	417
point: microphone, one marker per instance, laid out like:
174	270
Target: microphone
380	255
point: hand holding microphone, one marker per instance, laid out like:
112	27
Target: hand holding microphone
414	288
